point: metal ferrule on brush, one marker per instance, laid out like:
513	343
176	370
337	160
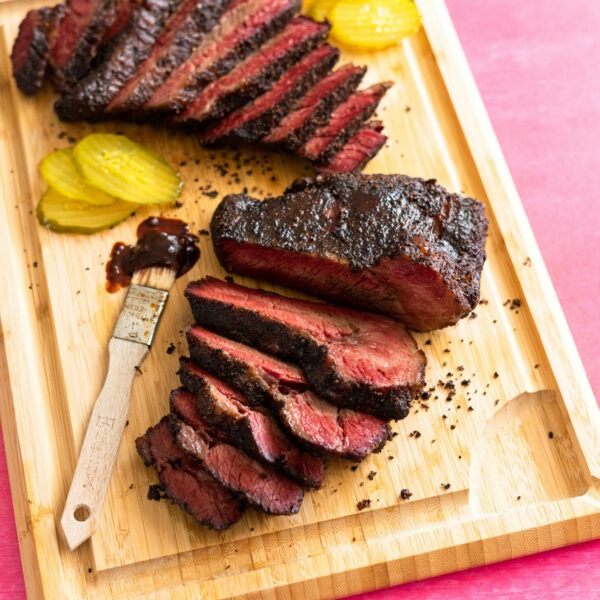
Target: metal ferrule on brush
140	314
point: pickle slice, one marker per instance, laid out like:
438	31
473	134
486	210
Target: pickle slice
320	9
120	167
59	171
374	23
62	214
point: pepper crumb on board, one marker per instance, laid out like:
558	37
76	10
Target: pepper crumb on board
203	232
446	486
428	342
550	434
394	434
171	348
518	497
90	570
496	375
371	475
416	434
405	494
363	504
354	467
155	492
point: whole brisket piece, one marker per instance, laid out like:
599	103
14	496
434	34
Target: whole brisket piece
357	360
398	245
267	381
257	73
243	28
358	151
260	484
345	121
79	34
184	480
255	432
185	32
251	122
315	108
91	95
31	49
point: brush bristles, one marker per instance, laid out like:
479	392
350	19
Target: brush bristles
159	278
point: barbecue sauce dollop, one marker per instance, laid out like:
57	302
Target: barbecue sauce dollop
161	242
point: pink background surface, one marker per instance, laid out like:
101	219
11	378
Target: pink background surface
537	64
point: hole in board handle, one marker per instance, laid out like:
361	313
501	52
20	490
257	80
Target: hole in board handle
82	513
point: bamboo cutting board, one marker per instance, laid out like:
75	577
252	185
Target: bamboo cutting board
518	443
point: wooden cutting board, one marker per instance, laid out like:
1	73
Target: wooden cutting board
518	443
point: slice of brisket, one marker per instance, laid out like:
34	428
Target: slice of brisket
88	99
184	480
78	37
257	73
356	360
253	431
359	150
260	484
123	10
31	49
345	121
394	244
185	32
315	108
267	381
243	28
251	122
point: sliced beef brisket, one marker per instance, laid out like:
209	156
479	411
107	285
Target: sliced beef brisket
79	34
257	73
399	245
253	121
32	45
315	108
92	94
122	13
356	360
261	485
344	122
357	152
185	32
267	381
253	431
184	480
244	27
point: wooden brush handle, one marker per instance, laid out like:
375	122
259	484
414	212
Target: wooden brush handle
101	443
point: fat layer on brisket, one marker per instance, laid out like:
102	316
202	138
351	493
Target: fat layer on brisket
262	485
394	244
266	381
254	431
185	481
357	360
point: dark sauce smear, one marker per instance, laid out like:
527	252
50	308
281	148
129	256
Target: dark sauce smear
161	243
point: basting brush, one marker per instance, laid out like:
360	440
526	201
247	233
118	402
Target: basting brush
164	251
